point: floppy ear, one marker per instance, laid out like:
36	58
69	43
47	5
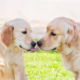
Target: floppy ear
6	34
73	35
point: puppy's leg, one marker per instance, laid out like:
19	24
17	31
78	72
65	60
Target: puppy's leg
78	76
26	78
0	74
75	76
19	73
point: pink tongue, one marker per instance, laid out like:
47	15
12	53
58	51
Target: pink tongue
35	49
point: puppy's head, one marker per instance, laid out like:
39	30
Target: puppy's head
60	31
17	32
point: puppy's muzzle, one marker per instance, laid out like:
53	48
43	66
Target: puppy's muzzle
33	44
39	43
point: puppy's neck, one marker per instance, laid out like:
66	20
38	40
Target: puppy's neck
65	50
14	48
69	50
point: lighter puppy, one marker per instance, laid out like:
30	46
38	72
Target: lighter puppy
63	34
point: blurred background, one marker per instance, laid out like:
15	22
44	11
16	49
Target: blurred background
38	12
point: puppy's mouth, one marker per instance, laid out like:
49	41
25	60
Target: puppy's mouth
32	49
54	48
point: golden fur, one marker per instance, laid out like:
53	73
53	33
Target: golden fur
11	55
66	41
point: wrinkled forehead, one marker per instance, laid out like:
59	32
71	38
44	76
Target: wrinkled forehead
58	27
22	27
20	24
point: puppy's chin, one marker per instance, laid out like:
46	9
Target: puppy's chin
26	49
31	49
46	49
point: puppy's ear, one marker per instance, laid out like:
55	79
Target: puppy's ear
6	34
73	35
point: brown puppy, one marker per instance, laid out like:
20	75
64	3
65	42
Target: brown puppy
15	37
63	34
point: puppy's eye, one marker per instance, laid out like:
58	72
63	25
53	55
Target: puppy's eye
24	32
53	34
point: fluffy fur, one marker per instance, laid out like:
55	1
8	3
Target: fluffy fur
66	40
11	55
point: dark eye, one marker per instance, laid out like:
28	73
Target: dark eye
53	34
24	32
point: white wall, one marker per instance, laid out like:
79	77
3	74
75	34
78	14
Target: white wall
39	12
39	9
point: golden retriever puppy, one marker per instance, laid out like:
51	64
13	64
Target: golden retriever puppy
15	37
63	34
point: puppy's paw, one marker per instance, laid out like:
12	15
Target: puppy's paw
26	77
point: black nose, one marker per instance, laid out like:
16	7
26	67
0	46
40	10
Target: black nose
33	44
39	43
